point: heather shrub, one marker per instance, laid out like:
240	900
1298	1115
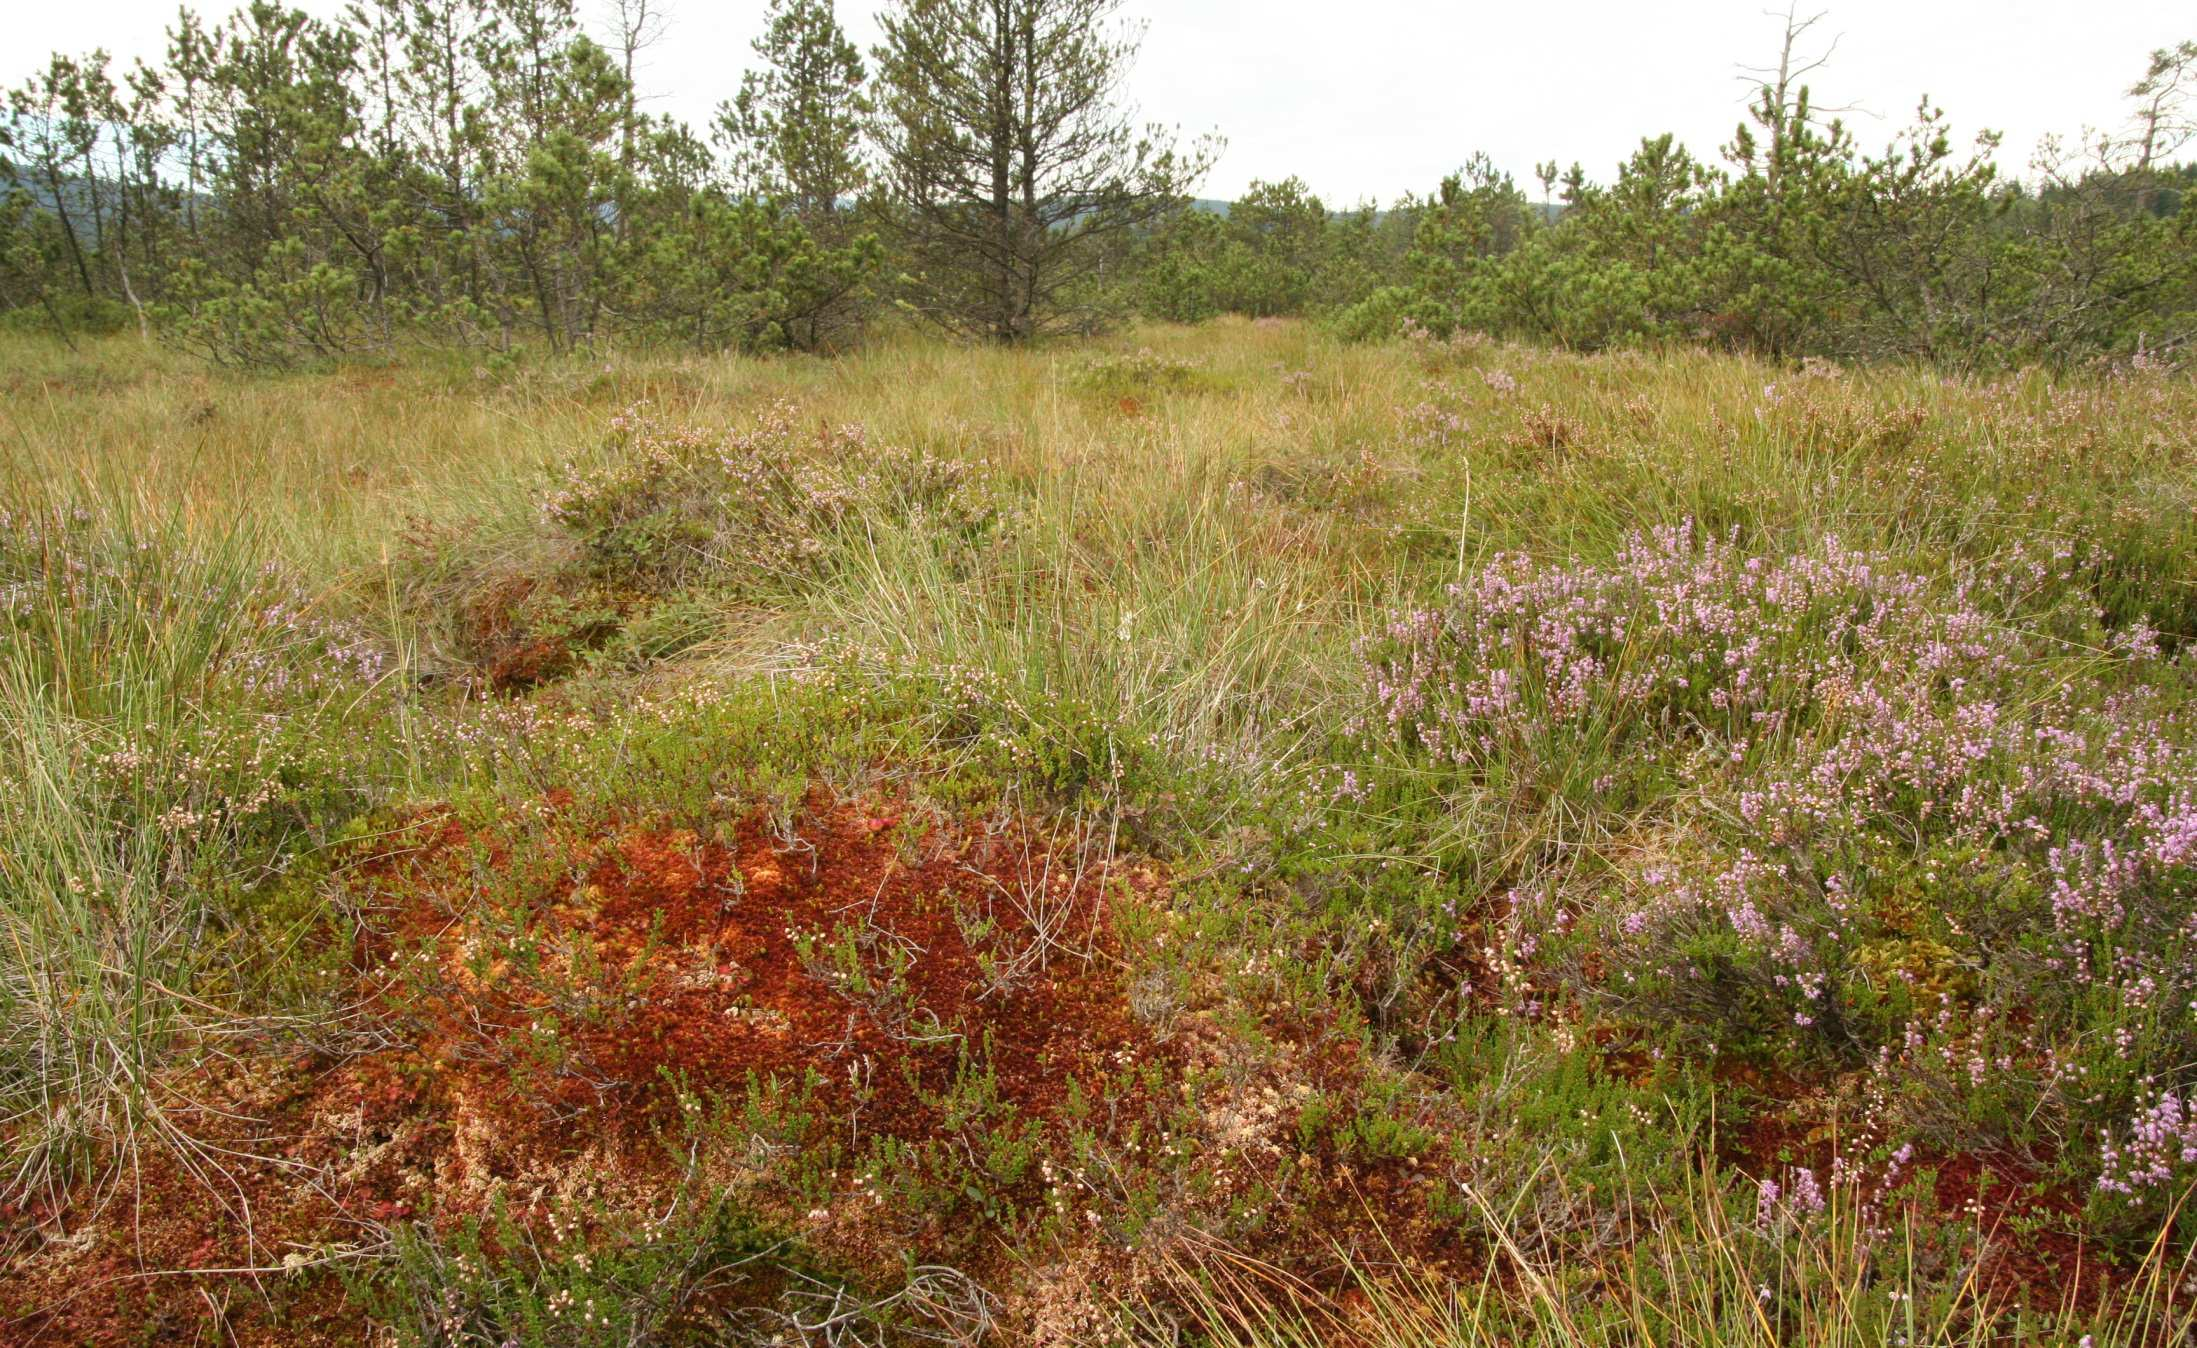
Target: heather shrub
1554	1134
662	504
648	539
603	1278
197	691
1139	374
1820	811
1597	683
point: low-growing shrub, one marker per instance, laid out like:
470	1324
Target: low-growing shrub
1139	375
599	1278
661	504
1830	815
650	537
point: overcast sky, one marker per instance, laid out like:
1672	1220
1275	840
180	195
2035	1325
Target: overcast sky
1372	98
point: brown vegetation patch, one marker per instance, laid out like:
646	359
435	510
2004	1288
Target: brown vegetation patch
512	647
663	960
2030	1225
542	1002
1545	430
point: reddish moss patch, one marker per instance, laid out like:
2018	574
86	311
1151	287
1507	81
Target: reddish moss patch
290	1159
663	960
539	997
2033	1251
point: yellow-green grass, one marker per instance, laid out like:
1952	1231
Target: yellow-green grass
1203	525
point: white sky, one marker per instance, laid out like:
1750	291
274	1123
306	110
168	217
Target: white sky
1377	97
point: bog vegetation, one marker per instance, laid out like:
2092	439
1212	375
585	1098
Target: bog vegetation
613	737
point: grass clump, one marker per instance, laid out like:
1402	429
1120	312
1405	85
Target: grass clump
177	743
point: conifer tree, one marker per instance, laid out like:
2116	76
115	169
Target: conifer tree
795	129
1012	166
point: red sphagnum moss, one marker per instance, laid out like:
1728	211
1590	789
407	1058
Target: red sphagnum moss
673	965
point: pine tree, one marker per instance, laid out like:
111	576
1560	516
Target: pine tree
1011	166
795	129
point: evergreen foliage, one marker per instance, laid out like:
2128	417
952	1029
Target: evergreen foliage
475	173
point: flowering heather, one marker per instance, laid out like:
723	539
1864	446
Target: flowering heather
1463	348
1677	634
2160	1142
242	740
1143	373
1429	425
1858	819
